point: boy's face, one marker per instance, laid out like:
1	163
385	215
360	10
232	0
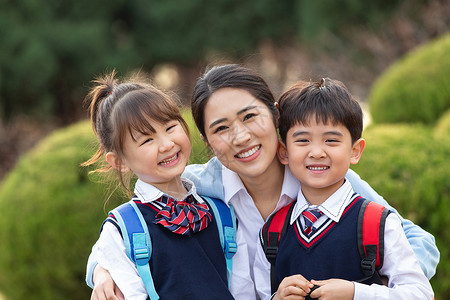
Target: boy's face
319	156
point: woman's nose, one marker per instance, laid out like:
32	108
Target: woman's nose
241	134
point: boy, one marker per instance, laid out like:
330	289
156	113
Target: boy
321	126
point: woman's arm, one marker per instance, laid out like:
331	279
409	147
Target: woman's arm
207	178
422	242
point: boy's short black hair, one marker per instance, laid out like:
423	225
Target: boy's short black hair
325	101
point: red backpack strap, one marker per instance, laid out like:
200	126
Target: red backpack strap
371	222
271	234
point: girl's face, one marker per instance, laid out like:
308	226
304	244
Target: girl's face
240	131
160	157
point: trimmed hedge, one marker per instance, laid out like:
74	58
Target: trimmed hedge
410	169
51	216
414	89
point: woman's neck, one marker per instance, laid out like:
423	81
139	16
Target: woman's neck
265	189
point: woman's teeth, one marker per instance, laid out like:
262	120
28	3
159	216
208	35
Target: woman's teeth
249	152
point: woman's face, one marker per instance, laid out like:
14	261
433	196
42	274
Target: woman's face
240	131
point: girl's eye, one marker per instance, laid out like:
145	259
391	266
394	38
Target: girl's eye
171	127
146	141
220	128
249	116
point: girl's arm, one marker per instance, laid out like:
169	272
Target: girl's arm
422	242
111	255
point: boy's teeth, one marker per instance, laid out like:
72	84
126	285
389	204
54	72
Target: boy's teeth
249	152
318	168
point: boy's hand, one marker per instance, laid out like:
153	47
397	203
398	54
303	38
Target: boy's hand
292	288
333	289
104	286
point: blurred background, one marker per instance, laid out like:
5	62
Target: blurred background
393	55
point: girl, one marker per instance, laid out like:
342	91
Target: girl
141	131
237	116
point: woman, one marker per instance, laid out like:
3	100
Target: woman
237	117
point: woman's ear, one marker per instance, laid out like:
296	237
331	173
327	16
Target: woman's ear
115	162
282	153
357	150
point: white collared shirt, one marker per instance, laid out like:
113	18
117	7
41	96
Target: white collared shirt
406	279
249	219
111	255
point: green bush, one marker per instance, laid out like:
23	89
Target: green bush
410	169
415	89
51	215
442	130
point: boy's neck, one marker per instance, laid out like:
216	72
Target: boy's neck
317	196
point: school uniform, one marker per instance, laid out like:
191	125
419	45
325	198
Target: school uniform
182	266
331	251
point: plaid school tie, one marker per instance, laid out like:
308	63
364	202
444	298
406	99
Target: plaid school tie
183	217
310	216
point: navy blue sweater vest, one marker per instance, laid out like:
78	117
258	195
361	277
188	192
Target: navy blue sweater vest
332	254
186	267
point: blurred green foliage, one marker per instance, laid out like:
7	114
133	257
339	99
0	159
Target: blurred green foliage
414	89
409	167
50	50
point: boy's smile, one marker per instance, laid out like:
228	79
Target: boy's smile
319	156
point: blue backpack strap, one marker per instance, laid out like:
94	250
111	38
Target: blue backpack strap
226	224
137	241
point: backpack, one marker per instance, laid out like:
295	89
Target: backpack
371	221
138	242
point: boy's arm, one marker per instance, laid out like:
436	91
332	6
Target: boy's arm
422	242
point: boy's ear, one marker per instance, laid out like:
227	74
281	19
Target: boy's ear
282	153
357	150
115	162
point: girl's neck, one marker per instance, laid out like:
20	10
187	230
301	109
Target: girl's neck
174	188
265	189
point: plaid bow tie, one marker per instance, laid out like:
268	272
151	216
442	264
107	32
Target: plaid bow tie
183	217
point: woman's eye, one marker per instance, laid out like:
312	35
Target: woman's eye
249	116
302	141
220	128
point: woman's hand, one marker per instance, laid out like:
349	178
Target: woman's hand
292	288
333	289
104	286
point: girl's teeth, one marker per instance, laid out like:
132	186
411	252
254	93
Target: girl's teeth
248	153
168	161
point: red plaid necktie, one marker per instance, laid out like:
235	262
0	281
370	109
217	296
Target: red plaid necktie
310	216
183	217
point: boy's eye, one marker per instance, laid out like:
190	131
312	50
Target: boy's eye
332	141
302	141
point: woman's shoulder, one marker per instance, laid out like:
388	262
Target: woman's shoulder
206	177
